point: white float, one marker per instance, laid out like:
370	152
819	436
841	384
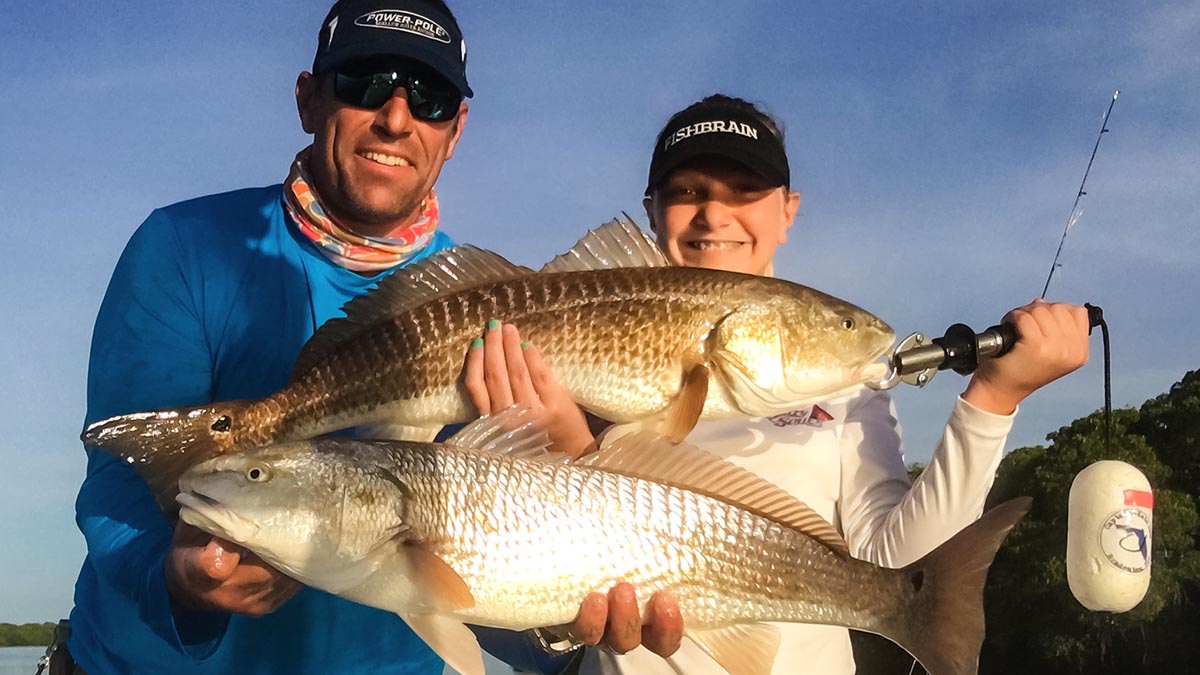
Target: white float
1109	523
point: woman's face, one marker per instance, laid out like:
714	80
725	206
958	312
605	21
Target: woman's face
718	214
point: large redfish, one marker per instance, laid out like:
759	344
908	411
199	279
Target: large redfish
631	337
488	529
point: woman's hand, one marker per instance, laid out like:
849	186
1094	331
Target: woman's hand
1053	342
503	370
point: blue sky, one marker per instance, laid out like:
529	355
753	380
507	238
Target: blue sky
938	146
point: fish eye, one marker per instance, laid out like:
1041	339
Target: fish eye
223	423
848	323
257	474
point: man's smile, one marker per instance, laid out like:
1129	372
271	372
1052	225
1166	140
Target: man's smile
385	159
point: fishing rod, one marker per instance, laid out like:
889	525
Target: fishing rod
1071	219
916	359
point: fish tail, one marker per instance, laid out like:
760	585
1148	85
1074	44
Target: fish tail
162	445
943	627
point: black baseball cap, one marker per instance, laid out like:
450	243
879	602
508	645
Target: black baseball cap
719	129
355	30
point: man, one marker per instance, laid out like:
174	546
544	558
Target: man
213	299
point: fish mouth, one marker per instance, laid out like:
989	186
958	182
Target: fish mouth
870	372
210	515
877	367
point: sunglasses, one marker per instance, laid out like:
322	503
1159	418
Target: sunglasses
430	96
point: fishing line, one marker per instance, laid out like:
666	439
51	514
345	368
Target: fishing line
1096	316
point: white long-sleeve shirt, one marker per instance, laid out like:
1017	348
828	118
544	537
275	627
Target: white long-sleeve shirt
843	458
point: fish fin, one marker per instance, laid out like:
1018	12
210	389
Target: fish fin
685	409
396	432
442	273
450	639
162	445
513	431
617	243
942	626
741	649
645	455
444	589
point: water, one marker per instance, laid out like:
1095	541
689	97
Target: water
20	660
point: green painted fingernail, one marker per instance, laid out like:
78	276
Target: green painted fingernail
476	343
493	324
524	346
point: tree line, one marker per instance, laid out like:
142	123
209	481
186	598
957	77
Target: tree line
1034	624
25	634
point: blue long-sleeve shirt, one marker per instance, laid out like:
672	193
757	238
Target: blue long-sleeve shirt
212	300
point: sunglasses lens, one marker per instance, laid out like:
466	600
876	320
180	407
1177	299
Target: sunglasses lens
365	91
431	97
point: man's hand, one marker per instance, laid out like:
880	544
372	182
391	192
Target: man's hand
501	370
1053	342
207	573
614	621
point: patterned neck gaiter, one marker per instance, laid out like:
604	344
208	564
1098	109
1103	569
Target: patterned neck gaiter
355	252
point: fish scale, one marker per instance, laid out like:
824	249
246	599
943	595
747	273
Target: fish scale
723	563
650	319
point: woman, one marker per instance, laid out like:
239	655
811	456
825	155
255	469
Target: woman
719	196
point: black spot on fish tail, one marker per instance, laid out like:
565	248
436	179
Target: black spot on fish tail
942	626
916	580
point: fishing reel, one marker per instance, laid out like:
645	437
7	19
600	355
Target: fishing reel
917	359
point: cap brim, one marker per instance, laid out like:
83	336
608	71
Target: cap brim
724	148
351	53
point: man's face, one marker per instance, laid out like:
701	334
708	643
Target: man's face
720	215
372	168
